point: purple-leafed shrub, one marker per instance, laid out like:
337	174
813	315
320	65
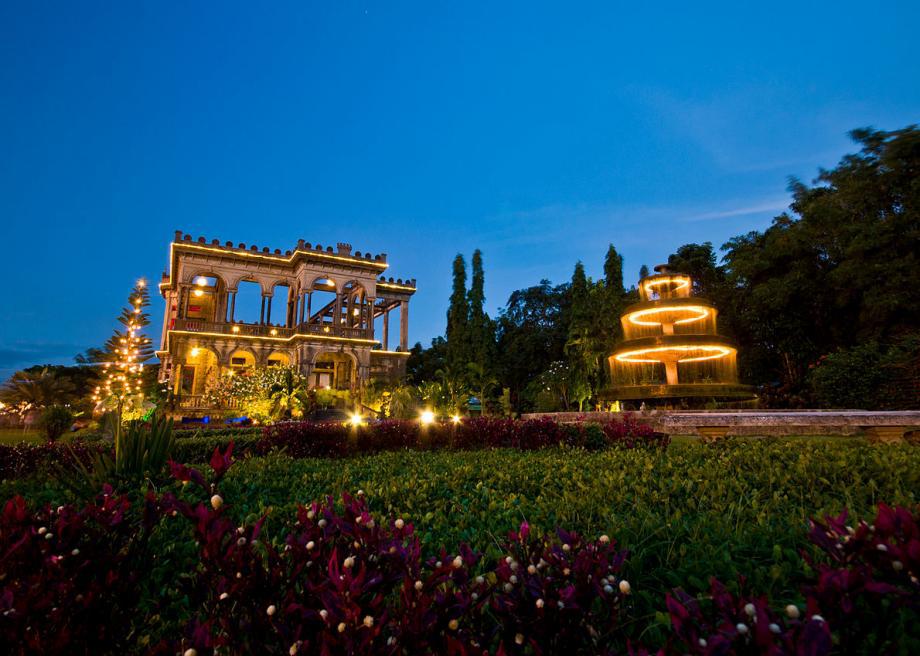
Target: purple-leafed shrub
729	624
68	576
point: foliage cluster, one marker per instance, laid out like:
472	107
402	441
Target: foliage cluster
343	579
307	440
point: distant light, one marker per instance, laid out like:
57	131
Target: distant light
199	293
141	283
195	352
274	331
456	419
201	281
427	417
356	420
235	329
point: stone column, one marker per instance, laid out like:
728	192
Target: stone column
386	330
233	307
404	325
262	312
268	312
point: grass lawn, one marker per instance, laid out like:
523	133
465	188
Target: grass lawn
17	435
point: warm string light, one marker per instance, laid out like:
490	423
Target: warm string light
123	374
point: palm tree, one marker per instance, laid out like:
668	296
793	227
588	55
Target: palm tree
482	381
288	398
37	390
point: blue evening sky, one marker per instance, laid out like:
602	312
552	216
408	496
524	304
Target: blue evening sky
538	132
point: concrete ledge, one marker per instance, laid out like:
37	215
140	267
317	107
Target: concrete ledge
883	427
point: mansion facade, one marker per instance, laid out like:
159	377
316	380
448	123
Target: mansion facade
311	307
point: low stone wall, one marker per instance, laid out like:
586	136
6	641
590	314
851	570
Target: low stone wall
880	426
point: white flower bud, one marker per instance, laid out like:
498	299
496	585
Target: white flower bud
774	628
480	580
817	618
458	562
453	625
341	627
531	569
270	610
750	610
702	642
321	523
223	595
608	589
539	603
76	552
349	563
42	530
217	501
368	621
241	542
310	545
419	585
324	613
566	547
792	612
310	514
190	652
604	539
625	588
741	628
881	547
519	639
400	524
897	565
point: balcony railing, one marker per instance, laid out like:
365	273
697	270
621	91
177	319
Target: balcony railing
259	330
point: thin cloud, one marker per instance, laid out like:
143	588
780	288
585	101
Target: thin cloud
746	210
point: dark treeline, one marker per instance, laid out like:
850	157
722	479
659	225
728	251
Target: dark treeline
824	305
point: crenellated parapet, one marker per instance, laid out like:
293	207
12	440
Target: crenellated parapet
341	250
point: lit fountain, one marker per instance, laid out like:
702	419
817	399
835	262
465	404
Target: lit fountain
671	348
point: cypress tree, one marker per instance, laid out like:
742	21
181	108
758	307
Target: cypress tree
643	271
481	328
458	314
613	273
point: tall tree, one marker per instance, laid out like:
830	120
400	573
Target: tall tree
532	332
613	273
481	329
458	314
581	347
643	271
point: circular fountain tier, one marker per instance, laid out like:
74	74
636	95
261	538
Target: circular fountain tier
671	347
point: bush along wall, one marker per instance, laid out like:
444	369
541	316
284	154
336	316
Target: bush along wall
173	573
330	440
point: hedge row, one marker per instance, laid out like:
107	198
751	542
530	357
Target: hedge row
329	440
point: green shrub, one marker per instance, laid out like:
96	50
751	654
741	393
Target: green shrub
55	420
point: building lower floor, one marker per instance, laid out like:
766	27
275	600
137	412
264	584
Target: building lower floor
193	364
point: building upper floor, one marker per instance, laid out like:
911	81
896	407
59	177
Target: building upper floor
309	290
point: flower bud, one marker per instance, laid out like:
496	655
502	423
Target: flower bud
349	563
400	524
458	562
792	612
625	588
453	625
217	501
368	621
270	610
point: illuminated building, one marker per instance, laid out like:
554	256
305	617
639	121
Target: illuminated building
326	303
671	347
